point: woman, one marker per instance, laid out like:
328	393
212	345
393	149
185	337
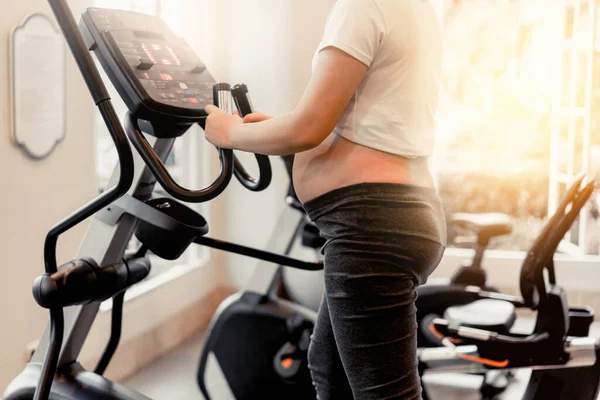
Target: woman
367	186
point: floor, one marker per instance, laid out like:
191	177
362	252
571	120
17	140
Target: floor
174	377
179	369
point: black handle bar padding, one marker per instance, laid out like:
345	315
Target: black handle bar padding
82	282
160	172
242	99
244	106
540	257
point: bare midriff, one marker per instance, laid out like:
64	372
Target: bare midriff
338	163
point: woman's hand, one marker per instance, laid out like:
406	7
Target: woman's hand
219	125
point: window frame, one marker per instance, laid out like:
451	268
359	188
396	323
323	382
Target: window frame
574	49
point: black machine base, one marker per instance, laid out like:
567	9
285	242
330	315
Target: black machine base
72	383
254	327
565	383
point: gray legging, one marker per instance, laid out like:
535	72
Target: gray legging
383	240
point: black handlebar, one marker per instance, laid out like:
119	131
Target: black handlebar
92	77
244	106
158	169
83	281
540	256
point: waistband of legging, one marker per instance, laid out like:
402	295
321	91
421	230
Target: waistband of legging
392	191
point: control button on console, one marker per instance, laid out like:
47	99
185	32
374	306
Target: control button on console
198	69
193	100
183	85
144	64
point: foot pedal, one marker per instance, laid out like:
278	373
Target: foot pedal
292	356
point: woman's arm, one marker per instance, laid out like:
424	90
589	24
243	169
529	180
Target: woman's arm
336	78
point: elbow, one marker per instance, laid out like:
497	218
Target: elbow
308	135
305	142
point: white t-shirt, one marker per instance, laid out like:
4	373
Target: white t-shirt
394	108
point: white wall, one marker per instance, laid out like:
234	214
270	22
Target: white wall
269	45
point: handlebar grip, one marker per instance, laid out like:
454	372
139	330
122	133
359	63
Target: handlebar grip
242	99
82	282
160	172
222	97
244	105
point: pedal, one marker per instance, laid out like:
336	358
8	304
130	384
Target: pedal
289	360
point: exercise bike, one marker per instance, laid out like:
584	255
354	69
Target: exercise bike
564	359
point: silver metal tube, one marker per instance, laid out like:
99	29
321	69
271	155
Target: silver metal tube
582	353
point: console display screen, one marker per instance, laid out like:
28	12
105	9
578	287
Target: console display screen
161	54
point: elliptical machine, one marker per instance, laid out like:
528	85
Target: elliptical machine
164	100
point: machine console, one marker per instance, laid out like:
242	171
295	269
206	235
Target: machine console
157	73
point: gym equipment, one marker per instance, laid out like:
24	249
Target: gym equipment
564	359
165	87
128	46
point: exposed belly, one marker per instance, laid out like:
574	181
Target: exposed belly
337	162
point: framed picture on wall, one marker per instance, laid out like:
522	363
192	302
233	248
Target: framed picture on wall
37	65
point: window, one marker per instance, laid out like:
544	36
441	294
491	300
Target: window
187	158
575	140
500	129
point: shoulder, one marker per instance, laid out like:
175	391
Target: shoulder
360	4
368	9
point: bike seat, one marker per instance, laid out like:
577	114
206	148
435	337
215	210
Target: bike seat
492	315
485	226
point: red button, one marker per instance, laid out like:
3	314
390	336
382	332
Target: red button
192	100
